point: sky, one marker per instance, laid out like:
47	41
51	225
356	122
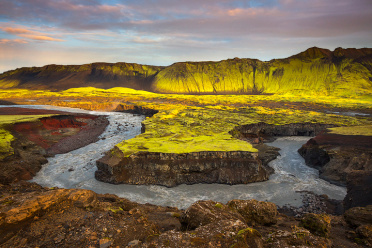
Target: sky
161	32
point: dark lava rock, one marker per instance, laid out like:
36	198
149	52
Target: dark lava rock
24	164
343	160
365	234
359	216
359	190
263	132
134	109
336	156
313	154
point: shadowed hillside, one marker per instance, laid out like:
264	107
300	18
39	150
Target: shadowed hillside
342	72
100	75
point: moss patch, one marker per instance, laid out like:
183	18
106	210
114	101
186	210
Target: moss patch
185	131
192	123
194	129
355	130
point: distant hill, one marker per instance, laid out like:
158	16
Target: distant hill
339	72
62	77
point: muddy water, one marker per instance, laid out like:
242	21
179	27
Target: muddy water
76	170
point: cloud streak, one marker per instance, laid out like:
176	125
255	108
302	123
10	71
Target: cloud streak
6	41
29	34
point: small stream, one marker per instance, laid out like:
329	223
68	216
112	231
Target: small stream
76	170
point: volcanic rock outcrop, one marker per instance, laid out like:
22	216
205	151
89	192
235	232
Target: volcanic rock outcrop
170	169
263	132
345	160
134	109
235	167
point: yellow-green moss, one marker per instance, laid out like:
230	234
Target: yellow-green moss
191	123
195	129
296	75
185	131
218	205
354	130
11	119
5	140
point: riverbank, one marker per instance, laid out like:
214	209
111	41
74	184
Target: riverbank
79	172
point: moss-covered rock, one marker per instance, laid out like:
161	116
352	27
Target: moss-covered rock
205	212
365	233
359	216
255	212
318	224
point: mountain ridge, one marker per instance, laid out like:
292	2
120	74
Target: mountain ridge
338	72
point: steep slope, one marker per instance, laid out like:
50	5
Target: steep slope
342	72
61	77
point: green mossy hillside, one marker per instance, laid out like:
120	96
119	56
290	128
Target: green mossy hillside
316	70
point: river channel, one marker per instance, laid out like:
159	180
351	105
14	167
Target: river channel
76	170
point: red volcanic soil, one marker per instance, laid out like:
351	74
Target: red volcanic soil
62	133
26	111
57	123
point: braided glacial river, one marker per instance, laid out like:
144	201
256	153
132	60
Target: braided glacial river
76	170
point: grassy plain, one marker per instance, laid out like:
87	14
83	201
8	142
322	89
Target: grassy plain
190	123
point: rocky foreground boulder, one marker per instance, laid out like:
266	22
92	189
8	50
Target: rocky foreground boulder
34	216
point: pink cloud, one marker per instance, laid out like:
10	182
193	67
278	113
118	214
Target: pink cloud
16	31
142	22
6	41
234	12
40	37
29	34
251	12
